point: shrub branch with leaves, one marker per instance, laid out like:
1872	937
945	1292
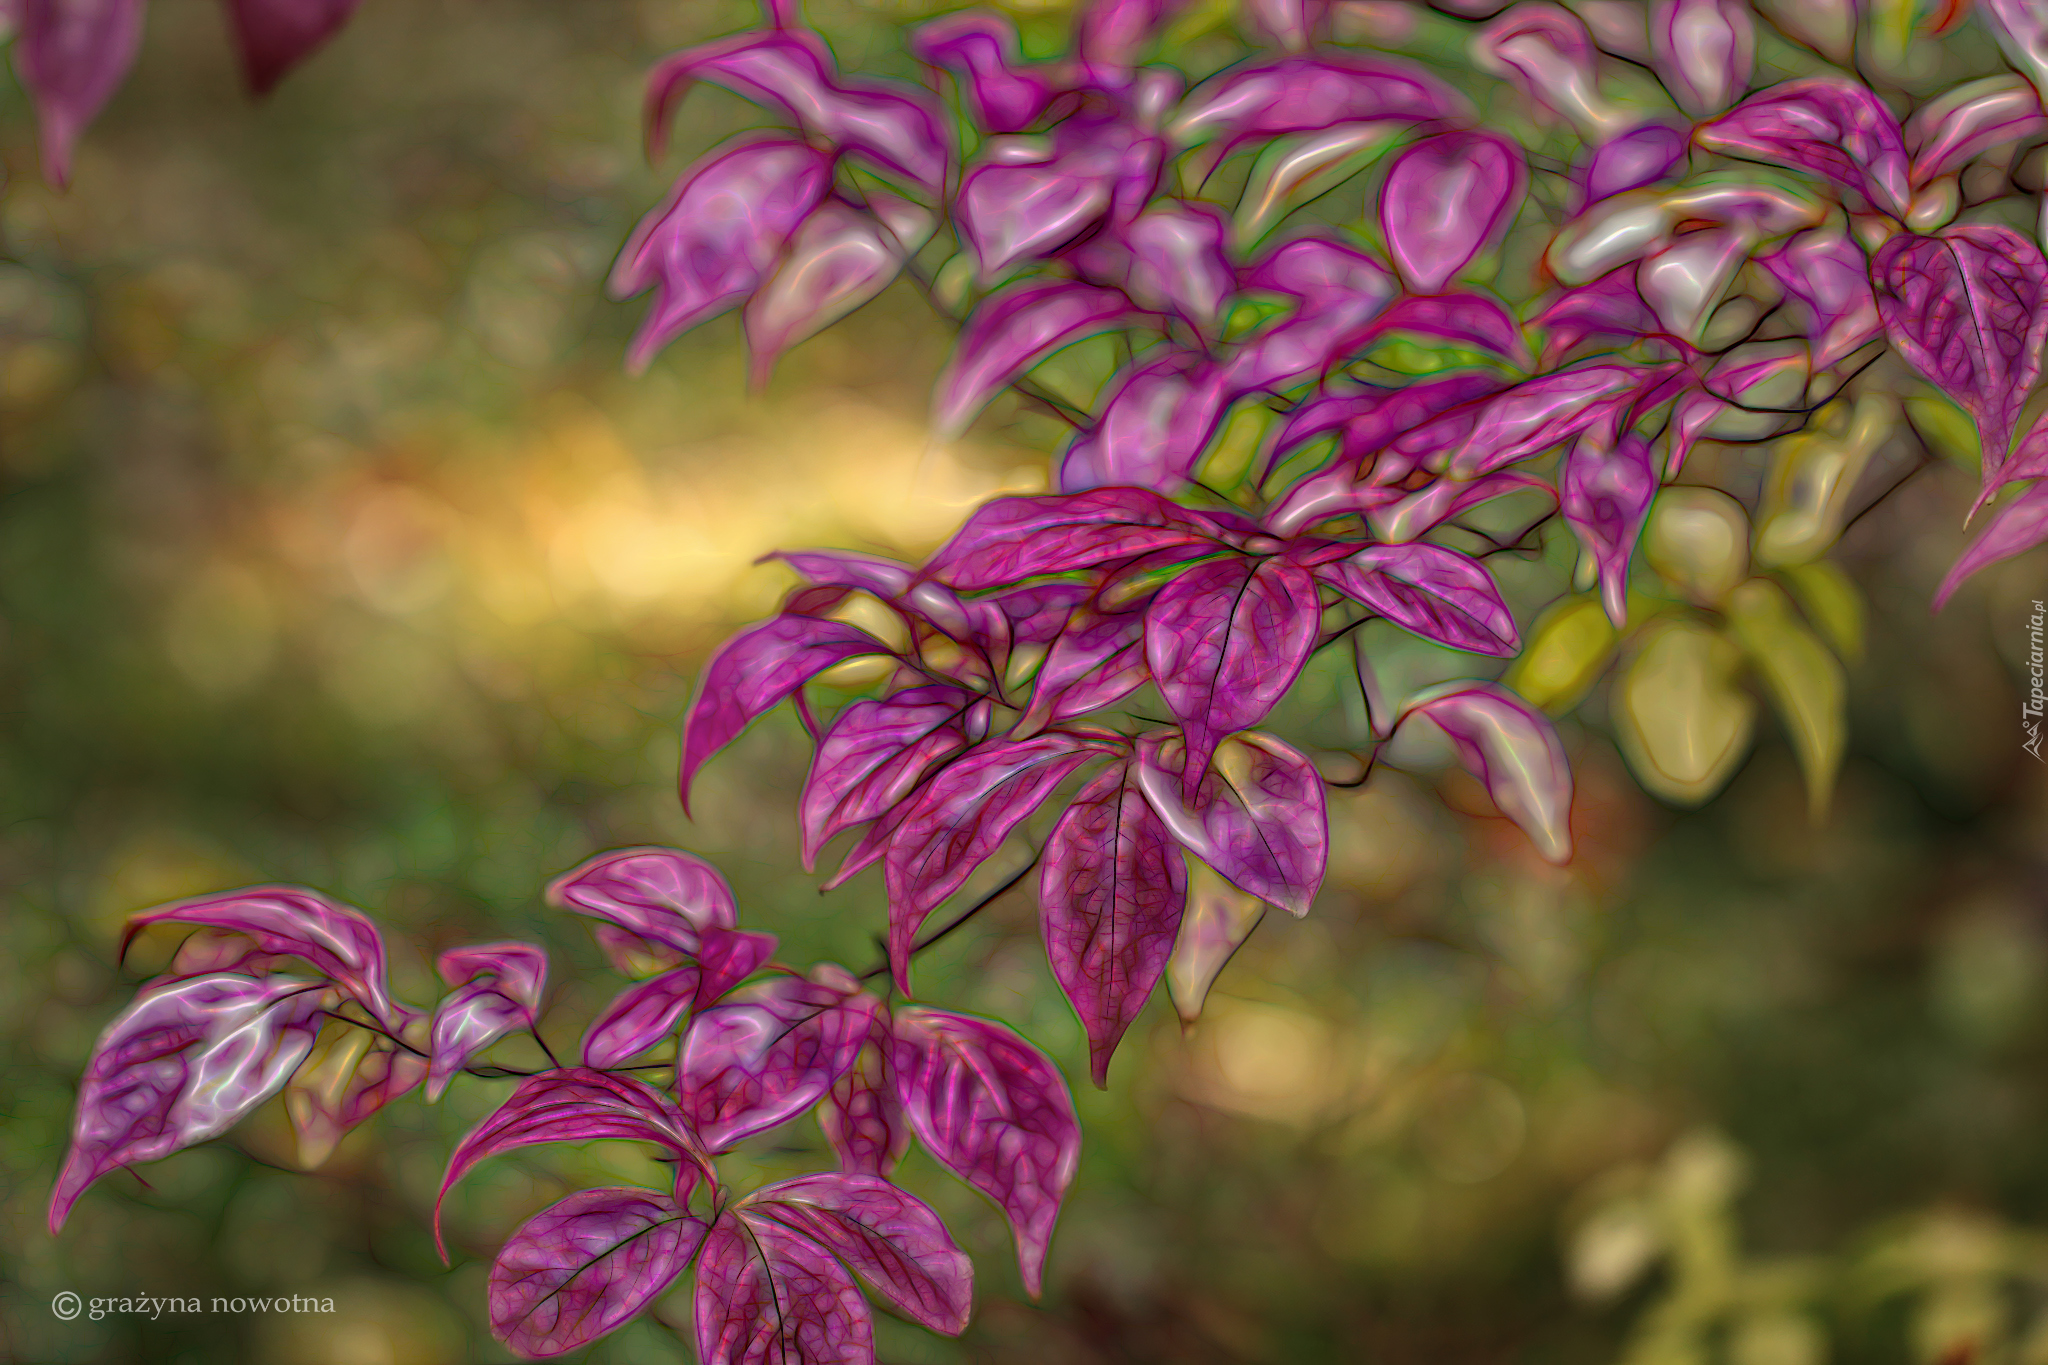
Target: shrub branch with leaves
1274	431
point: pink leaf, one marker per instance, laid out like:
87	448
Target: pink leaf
981	49
1704	49
663	895
1446	199
1008	333
1098	658
1826	126
1546	51
1028	197
768	1054
1605	496
875	752
498	989
994	1111
639	1017
840	258
583	1267
1008	540
1226	641
1539	413
273	36
862	1118
72	55
1829	276
889	1238
1439	594
727	957
769	1295
1304	93
180	1065
1110	894
1258	817
1956	128
1511	747
1160	417
754	671
2015	528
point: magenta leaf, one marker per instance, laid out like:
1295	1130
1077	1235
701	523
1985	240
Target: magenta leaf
1704	50
1968	307
875	752
862	1118
769	1295
768	1054
639	1017
72	55
1641	156
273	36
1225	641
1948	132
1109	34
1340	290
1178	262
722	228
889	1238
182	1064
1826	126
1258	817
1605	496
2022	32
498	989
982	50
1110	895
1333	493
1029	196
1543	412
336	940
1462	318
836	261
1008	540
961	817
1446	199
582	1267
1098	658
1007	334
1685	281
662	895
1546	51
994	1111
1828	274
571	1105
1609	306
2015	528
1305	93
1417	513
1513	749
727	957
754	671
897	127
1437	593
1369	421
1151	433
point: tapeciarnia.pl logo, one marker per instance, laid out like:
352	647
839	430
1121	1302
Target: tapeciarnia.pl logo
2037	699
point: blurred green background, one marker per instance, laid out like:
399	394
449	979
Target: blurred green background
336	549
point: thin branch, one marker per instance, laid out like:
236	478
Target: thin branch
965	915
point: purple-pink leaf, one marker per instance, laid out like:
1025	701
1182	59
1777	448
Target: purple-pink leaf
1225	642
1371	420
1513	749
1543	412
1461	318
1177	260
1410	517
1309	92
897	127
72	55
1686	281
862	1118
1010	332
875	752
1159	419
1109	34
1704	50
1028	196
273	36
1826	126
1641	156
642	1015
1968	307
336	940
1605	496
961	817
1446	199
1948	132
1008	540
981	49
1340	290
1110	896
2015	528
581	1268
1437	593
182	1064
325	1101
1609	306
994	1111
1546	51
1257	817
662	895
836	261
1098	658
889	1238
769	1295
722	228
575	1104
1826	272
498	988
2021	29
768	1054
754	671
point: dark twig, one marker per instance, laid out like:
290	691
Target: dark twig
965	915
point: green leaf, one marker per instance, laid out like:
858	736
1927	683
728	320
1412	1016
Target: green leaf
1947	429
1568	646
1831	602
1681	721
1805	682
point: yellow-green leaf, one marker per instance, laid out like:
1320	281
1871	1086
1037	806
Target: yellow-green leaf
1568	646
1682	722
1805	681
1217	921
1812	475
1294	170
1831	602
1236	448
1697	539
1947	429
